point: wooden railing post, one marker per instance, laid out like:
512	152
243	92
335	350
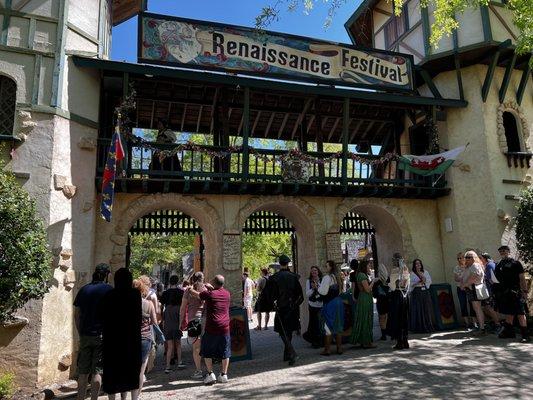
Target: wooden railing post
345	133
246	133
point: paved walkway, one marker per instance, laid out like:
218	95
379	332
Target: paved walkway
443	365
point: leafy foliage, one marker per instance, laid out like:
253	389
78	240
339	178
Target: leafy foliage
25	271
150	250
444	13
524	225
7	385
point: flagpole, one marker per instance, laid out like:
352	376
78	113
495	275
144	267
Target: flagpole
434	183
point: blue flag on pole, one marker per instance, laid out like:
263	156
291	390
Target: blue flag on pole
114	156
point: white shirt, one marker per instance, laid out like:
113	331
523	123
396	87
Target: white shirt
248	287
308	292
417	282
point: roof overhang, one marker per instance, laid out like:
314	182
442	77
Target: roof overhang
125	9
232	79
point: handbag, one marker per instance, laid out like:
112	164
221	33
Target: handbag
482	292
194	328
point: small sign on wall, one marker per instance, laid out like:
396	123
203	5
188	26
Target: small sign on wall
231	244
333	246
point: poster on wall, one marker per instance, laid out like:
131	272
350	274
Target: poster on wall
197	44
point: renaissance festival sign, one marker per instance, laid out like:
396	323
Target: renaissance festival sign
196	44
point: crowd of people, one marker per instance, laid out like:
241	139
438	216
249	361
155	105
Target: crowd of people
120	326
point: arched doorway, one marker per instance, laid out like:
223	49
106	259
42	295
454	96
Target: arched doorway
358	237
390	230
164	243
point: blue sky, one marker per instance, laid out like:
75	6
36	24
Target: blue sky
237	12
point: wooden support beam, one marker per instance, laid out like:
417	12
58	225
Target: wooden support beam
199	120
256	121
431	85
459	76
507	78
152	115
282	126
333	128
182	116
488	77
354	132
523	83
368	128
345	127
246	134
300	117
270	120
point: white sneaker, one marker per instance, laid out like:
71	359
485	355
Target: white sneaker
197	375
222	378
210	379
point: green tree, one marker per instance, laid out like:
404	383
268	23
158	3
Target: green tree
150	250
444	13
259	251
25	259
524	225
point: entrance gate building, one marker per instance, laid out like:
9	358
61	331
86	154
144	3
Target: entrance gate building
345	142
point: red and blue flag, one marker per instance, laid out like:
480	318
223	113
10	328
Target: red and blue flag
114	156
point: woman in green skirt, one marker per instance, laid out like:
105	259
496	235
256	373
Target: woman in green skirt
364	311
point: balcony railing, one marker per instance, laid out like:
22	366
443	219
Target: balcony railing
195	169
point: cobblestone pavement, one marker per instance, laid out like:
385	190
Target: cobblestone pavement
451	364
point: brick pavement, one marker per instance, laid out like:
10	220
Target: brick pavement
451	364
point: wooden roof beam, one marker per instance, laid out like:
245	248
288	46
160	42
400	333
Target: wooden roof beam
182	116
270	120
523	83
282	126
300	117
337	120
199	119
354	132
256	121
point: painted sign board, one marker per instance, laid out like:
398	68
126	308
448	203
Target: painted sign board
196	44
241	347
231	246
333	247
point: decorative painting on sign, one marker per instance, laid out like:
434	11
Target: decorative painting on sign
206	45
241	348
443	305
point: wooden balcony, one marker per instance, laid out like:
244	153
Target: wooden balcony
261	171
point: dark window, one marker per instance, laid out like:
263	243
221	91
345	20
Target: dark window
8	99
394	28
511	132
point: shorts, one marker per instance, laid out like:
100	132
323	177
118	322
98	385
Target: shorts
90	356
215	346
146	346
247	301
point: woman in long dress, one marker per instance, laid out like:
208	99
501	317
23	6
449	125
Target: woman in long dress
364	312
398	318
333	307
421	308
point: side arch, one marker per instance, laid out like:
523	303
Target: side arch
197	208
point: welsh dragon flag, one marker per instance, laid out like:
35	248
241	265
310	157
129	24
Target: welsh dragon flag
429	165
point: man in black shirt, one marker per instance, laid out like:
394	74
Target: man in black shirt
512	294
283	293
171	300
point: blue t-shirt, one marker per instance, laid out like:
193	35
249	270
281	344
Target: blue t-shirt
491	266
88	300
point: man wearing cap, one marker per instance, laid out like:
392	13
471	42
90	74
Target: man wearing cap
89	326
283	293
512	289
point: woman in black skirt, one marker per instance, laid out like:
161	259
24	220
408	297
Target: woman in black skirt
314	302
398	317
421	307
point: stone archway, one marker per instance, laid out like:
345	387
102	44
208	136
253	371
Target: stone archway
305	219
392	231
197	208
